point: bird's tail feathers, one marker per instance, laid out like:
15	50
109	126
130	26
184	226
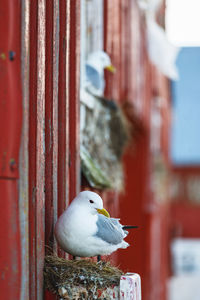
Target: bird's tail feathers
124	245
125	227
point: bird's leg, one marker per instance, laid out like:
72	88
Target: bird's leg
98	258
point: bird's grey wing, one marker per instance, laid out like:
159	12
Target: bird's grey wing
119	226
94	77
109	230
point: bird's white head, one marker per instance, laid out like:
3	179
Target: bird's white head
92	201
100	60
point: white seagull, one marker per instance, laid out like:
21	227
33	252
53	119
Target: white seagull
96	63
85	228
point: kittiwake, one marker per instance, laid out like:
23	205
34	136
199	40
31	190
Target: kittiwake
85	228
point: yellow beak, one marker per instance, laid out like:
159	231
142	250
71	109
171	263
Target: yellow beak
103	212
111	68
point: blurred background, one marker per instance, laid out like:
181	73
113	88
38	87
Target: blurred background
101	95
184	152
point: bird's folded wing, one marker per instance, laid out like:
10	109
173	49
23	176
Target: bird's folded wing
94	77
109	230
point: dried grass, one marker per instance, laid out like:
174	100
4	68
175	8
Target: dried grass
86	274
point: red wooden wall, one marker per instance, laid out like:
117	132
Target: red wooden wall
135	85
54	124
39	56
43	84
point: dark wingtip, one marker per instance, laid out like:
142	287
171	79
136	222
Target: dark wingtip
129	227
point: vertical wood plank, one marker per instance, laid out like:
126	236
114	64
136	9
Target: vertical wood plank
68	28
74	107
40	158
24	164
62	118
49	126
32	147
10	128
10	260
10	100
51	119
62	138
55	111
36	147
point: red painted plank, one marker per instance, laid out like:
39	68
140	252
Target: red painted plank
51	120
32	147
68	106
74	108
49	126
36	147
62	110
40	159
23	181
10	258
10	101
10	128
55	111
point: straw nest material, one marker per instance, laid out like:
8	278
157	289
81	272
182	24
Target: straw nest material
85	277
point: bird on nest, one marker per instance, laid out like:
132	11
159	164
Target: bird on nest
85	228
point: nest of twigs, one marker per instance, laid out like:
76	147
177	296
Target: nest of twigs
63	276
104	137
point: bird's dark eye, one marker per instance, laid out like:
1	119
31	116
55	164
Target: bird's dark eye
91	201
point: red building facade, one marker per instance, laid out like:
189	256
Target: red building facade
144	93
40	169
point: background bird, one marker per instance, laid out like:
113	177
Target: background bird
85	229
96	63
